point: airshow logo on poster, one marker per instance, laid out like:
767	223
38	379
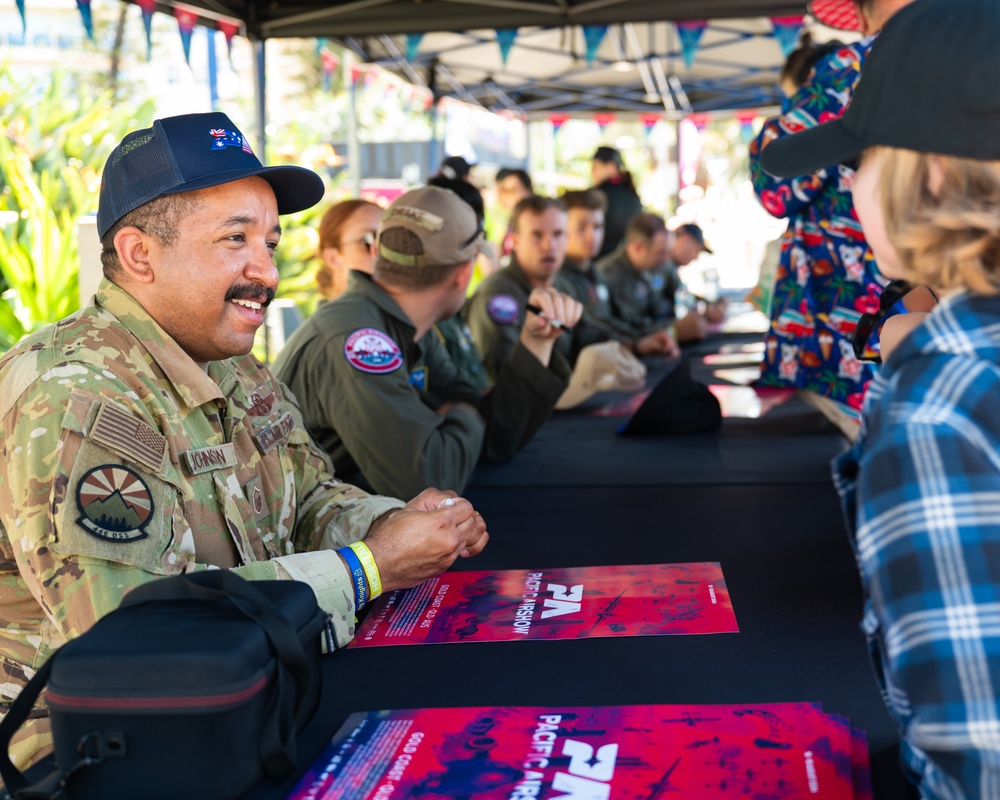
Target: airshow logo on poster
371	350
713	752
557	603
562	600
115	503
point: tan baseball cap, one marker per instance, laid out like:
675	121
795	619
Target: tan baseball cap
445	224
603	367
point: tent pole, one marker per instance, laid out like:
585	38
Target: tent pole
260	97
353	142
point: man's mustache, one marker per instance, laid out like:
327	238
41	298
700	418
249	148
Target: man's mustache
258	294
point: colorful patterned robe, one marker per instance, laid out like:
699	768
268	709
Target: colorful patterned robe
827	275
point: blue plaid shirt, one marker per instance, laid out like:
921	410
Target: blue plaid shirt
921	492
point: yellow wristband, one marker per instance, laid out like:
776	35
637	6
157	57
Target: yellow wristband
371	568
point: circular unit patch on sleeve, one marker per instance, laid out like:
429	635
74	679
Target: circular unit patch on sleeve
115	503
503	309
371	350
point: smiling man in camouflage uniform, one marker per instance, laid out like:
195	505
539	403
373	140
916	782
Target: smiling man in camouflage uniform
141	440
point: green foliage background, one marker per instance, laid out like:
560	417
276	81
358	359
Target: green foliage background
55	135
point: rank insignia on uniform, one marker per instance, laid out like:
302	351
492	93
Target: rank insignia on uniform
602	292
255	496
504	309
418	379
261	401
371	350
115	503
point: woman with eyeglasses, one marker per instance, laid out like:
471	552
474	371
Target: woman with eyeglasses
346	241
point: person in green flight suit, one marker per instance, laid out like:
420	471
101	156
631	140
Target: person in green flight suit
379	391
580	279
496	311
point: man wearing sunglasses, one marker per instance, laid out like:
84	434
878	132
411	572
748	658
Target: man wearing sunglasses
378	389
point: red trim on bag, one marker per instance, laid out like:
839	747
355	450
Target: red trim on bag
155	702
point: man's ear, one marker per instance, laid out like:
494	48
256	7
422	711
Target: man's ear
133	245
463	274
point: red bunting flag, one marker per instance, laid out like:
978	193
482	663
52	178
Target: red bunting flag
649	122
186	21
229	30
557	120
700	121
603	119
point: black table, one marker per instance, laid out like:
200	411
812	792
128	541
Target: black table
792	444
788	568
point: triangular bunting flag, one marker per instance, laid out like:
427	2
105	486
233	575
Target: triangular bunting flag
330	64
229	30
786	31
24	19
603	119
147	7
700	121
649	122
185	24
593	35
557	121
88	19
413	45
505	38
690	35
746	125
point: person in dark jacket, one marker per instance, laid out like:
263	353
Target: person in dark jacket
611	178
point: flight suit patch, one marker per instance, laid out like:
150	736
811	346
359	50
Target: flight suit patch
503	309
371	350
418	379
115	503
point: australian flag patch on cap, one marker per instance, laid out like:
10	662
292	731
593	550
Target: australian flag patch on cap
221	139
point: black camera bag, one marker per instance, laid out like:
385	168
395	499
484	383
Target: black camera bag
195	687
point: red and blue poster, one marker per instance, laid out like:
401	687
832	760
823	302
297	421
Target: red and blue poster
780	751
564	603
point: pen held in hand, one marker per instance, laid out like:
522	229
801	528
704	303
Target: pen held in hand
555	323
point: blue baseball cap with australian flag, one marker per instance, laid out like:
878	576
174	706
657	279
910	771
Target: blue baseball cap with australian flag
189	152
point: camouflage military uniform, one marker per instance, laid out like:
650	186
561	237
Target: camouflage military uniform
368	393
642	301
495	314
126	460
